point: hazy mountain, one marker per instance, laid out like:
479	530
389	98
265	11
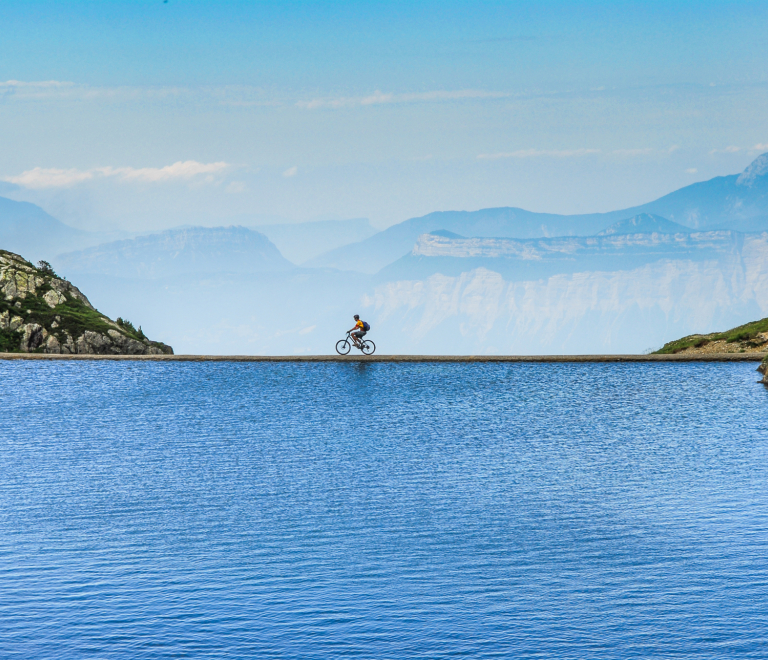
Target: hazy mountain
645	223
194	250
306	240
372	254
27	229
738	202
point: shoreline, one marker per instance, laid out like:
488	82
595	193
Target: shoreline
710	357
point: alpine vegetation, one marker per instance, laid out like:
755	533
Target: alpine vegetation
43	313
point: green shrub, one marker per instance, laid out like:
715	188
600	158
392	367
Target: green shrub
46	268
9	341
126	325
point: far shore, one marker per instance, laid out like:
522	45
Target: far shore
680	357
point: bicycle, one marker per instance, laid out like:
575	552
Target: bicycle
343	346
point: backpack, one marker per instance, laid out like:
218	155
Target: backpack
366	327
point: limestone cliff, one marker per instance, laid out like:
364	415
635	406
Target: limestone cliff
42	313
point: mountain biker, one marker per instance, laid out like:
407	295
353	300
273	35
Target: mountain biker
358	331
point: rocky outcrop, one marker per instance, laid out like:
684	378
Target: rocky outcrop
763	369
41	312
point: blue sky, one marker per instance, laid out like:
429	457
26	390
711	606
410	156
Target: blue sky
135	115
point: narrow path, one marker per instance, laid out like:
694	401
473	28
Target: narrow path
710	357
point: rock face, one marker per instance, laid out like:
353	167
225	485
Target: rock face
763	369
40	312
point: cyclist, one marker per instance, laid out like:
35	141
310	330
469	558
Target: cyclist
358	331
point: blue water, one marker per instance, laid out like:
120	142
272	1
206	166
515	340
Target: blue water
220	510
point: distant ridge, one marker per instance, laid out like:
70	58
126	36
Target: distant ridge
645	223
756	171
192	250
27	229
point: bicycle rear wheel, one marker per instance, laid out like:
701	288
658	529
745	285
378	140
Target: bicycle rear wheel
343	347
368	347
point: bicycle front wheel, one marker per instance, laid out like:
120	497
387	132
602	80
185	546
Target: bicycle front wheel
343	347
368	347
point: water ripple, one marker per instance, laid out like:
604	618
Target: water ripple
383	511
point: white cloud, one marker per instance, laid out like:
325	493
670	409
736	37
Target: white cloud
180	170
727	150
235	187
633	152
760	147
691	170
291	171
646	151
379	98
40	177
43	90
230	95
41	84
534	153
56	90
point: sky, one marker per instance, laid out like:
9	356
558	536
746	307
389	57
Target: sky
148	114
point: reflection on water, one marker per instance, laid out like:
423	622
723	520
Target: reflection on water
383	510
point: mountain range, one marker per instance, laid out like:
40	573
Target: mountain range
494	280
192	250
738	202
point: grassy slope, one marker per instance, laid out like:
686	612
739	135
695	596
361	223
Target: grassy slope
72	316
741	333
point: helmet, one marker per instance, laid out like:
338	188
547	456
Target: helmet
356	317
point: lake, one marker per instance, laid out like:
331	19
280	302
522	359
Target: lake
349	510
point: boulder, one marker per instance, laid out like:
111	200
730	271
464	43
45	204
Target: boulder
32	336
53	298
